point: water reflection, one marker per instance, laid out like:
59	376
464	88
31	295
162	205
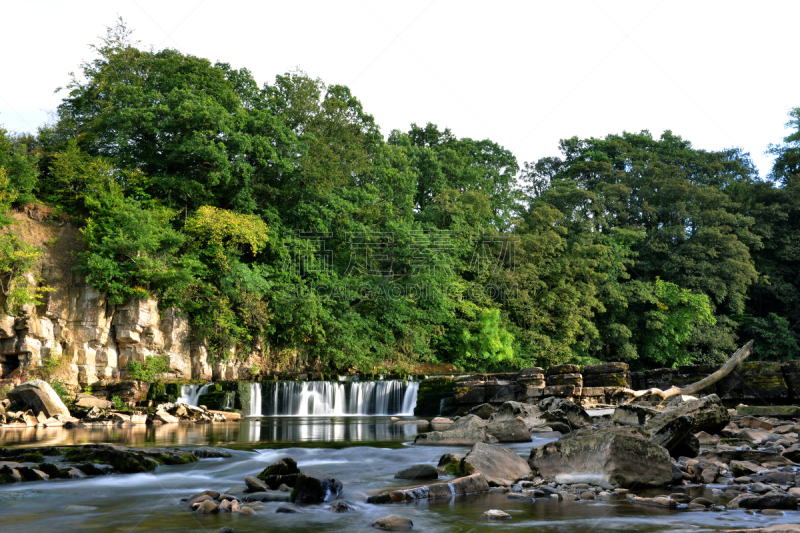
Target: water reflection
272	431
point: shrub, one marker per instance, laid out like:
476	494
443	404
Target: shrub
151	370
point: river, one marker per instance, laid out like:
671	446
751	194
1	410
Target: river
364	452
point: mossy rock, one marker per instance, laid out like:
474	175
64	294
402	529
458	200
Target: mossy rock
33	457
459	469
430	394
214	400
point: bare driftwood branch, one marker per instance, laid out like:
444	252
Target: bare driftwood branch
693	388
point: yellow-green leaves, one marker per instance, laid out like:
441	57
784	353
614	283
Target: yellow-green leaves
224	232
19	283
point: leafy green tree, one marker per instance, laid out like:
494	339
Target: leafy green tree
669	327
489	346
19	167
200	131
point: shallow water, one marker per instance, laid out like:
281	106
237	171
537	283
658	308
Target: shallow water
150	502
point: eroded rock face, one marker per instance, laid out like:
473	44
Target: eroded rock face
603	457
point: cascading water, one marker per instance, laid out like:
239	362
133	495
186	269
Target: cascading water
333	398
190	394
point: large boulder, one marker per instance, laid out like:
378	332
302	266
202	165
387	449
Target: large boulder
467	421
40	397
509	431
603	457
455	437
707	414
483	411
500	466
314	486
564	411
512	410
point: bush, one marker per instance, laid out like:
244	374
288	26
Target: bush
150	370
62	391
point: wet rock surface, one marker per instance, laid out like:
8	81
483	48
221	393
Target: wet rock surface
56	462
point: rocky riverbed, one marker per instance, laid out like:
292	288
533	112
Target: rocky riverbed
689	464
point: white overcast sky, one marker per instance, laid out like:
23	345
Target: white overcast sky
524	74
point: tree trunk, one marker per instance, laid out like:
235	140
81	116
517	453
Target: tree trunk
739	356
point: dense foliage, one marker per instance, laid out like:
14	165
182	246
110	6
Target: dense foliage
281	220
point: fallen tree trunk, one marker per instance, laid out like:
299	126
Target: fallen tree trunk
693	388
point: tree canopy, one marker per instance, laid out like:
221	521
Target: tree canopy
279	218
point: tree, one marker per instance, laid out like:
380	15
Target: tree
489	346
200	131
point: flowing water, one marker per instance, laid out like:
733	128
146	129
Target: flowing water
363	451
190	394
333	398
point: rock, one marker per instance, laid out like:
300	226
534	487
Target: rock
605	368
677	437
509	431
706	414
164	417
792	453
659	501
282	472
255	484
751	422
126	460
603	457
457	437
449	458
246	511
341	507
500	466
393	522
772	500
471	484
89	401
705	439
467	422
512	410
226	529
314	486
483	411
441	421
720	455
495	514
40	397
752	435
774	411
634	414
563	369
564	410
423	472
208	507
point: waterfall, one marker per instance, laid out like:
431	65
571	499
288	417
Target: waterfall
255	399
410	398
190	394
336	398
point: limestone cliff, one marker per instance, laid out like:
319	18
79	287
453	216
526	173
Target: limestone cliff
91	339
